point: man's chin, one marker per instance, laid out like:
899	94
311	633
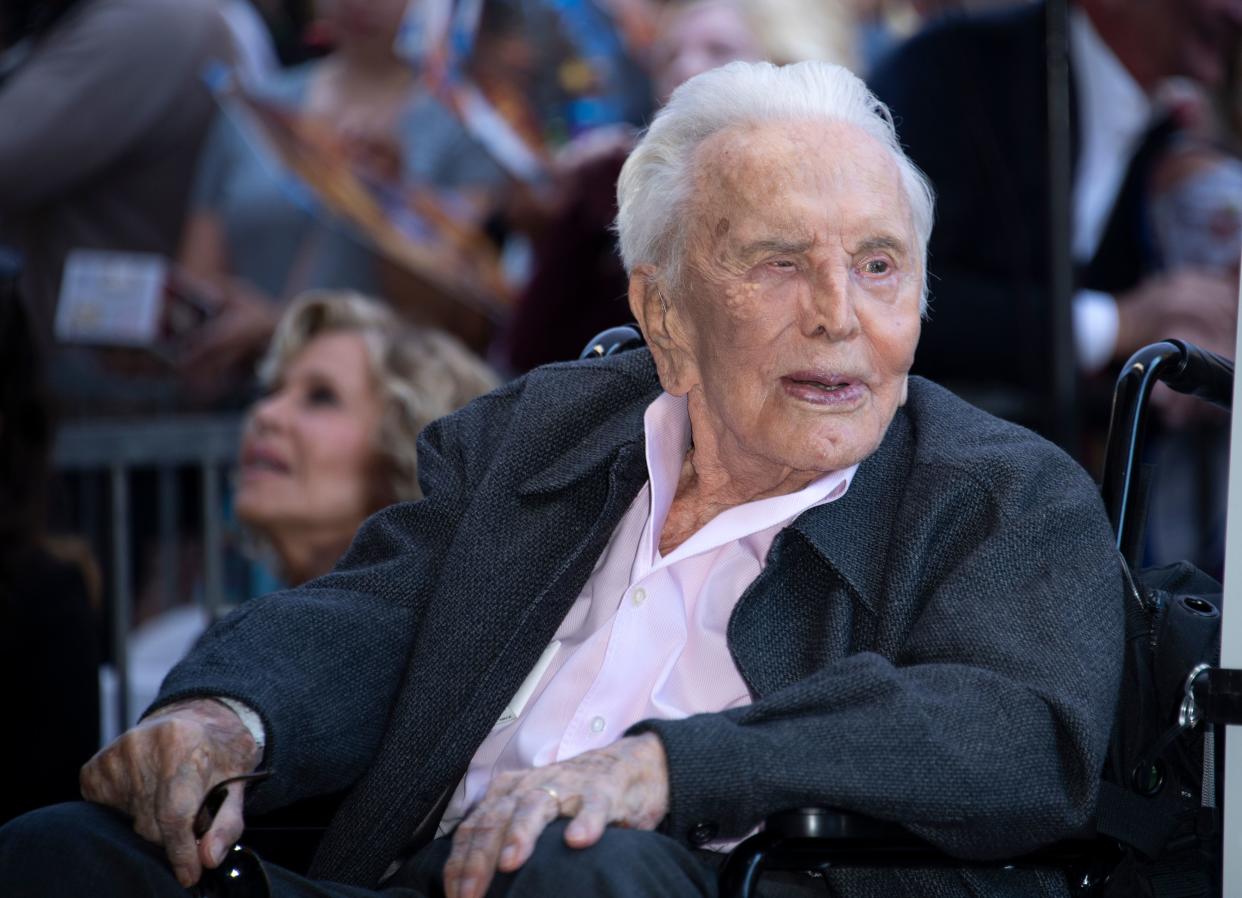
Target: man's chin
825	453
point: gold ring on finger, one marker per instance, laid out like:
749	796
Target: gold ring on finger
555	795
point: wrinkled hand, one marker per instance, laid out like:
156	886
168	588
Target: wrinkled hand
624	784
159	771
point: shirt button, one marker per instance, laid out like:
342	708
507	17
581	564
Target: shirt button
597	724
639	596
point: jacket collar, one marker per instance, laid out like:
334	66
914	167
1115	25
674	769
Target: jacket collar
617	431
851	534
854	533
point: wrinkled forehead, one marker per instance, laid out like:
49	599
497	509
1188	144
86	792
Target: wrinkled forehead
821	177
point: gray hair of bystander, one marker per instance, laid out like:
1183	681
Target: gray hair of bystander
657	178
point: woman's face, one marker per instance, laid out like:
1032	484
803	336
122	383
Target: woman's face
699	37
309	461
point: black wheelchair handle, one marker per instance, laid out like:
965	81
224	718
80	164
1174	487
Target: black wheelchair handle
612	341
1200	373
1187	369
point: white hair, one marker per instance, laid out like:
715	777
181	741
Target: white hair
657	178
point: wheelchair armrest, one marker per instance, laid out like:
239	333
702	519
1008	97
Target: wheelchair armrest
818	839
830	823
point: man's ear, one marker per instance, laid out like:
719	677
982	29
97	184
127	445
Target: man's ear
661	330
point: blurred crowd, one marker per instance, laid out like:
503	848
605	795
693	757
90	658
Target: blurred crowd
342	219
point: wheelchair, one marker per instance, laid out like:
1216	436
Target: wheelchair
819	839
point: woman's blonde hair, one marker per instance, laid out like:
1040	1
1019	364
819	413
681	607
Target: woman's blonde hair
422	373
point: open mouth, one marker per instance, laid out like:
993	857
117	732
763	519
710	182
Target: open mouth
823	389
821	385
257	461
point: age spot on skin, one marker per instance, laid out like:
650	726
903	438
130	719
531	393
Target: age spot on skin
722	227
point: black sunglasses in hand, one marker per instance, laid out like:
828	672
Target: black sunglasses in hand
241	873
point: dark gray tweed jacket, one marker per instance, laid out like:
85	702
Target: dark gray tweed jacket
941	646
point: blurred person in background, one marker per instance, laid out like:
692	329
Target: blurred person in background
1195	204
697	35
104	111
49	632
578	285
882	24
257	244
969	96
348	389
1194	212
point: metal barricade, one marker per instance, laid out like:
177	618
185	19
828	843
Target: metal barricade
103	457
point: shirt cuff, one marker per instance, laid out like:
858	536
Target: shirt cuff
249	717
1095	329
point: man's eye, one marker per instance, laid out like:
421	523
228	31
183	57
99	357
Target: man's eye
876	266
782	264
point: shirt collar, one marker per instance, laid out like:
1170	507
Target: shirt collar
666	425
1110	101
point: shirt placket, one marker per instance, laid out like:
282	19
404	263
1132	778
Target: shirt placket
636	632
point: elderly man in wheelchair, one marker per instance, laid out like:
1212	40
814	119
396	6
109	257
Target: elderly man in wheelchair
650	599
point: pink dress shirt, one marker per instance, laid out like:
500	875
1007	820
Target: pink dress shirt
646	636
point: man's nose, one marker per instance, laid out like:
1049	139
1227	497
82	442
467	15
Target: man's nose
830	308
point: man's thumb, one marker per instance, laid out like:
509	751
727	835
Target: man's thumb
227	828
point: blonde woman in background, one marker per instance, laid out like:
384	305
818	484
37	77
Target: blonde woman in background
348	388
349	385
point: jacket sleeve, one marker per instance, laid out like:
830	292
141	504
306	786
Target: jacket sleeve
984	731
322	663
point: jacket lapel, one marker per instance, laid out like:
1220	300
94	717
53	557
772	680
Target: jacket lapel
410	788
606	446
826	571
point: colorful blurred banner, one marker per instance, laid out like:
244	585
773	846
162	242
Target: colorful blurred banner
445	267
578	71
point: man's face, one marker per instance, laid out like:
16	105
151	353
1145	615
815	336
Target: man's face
798	312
